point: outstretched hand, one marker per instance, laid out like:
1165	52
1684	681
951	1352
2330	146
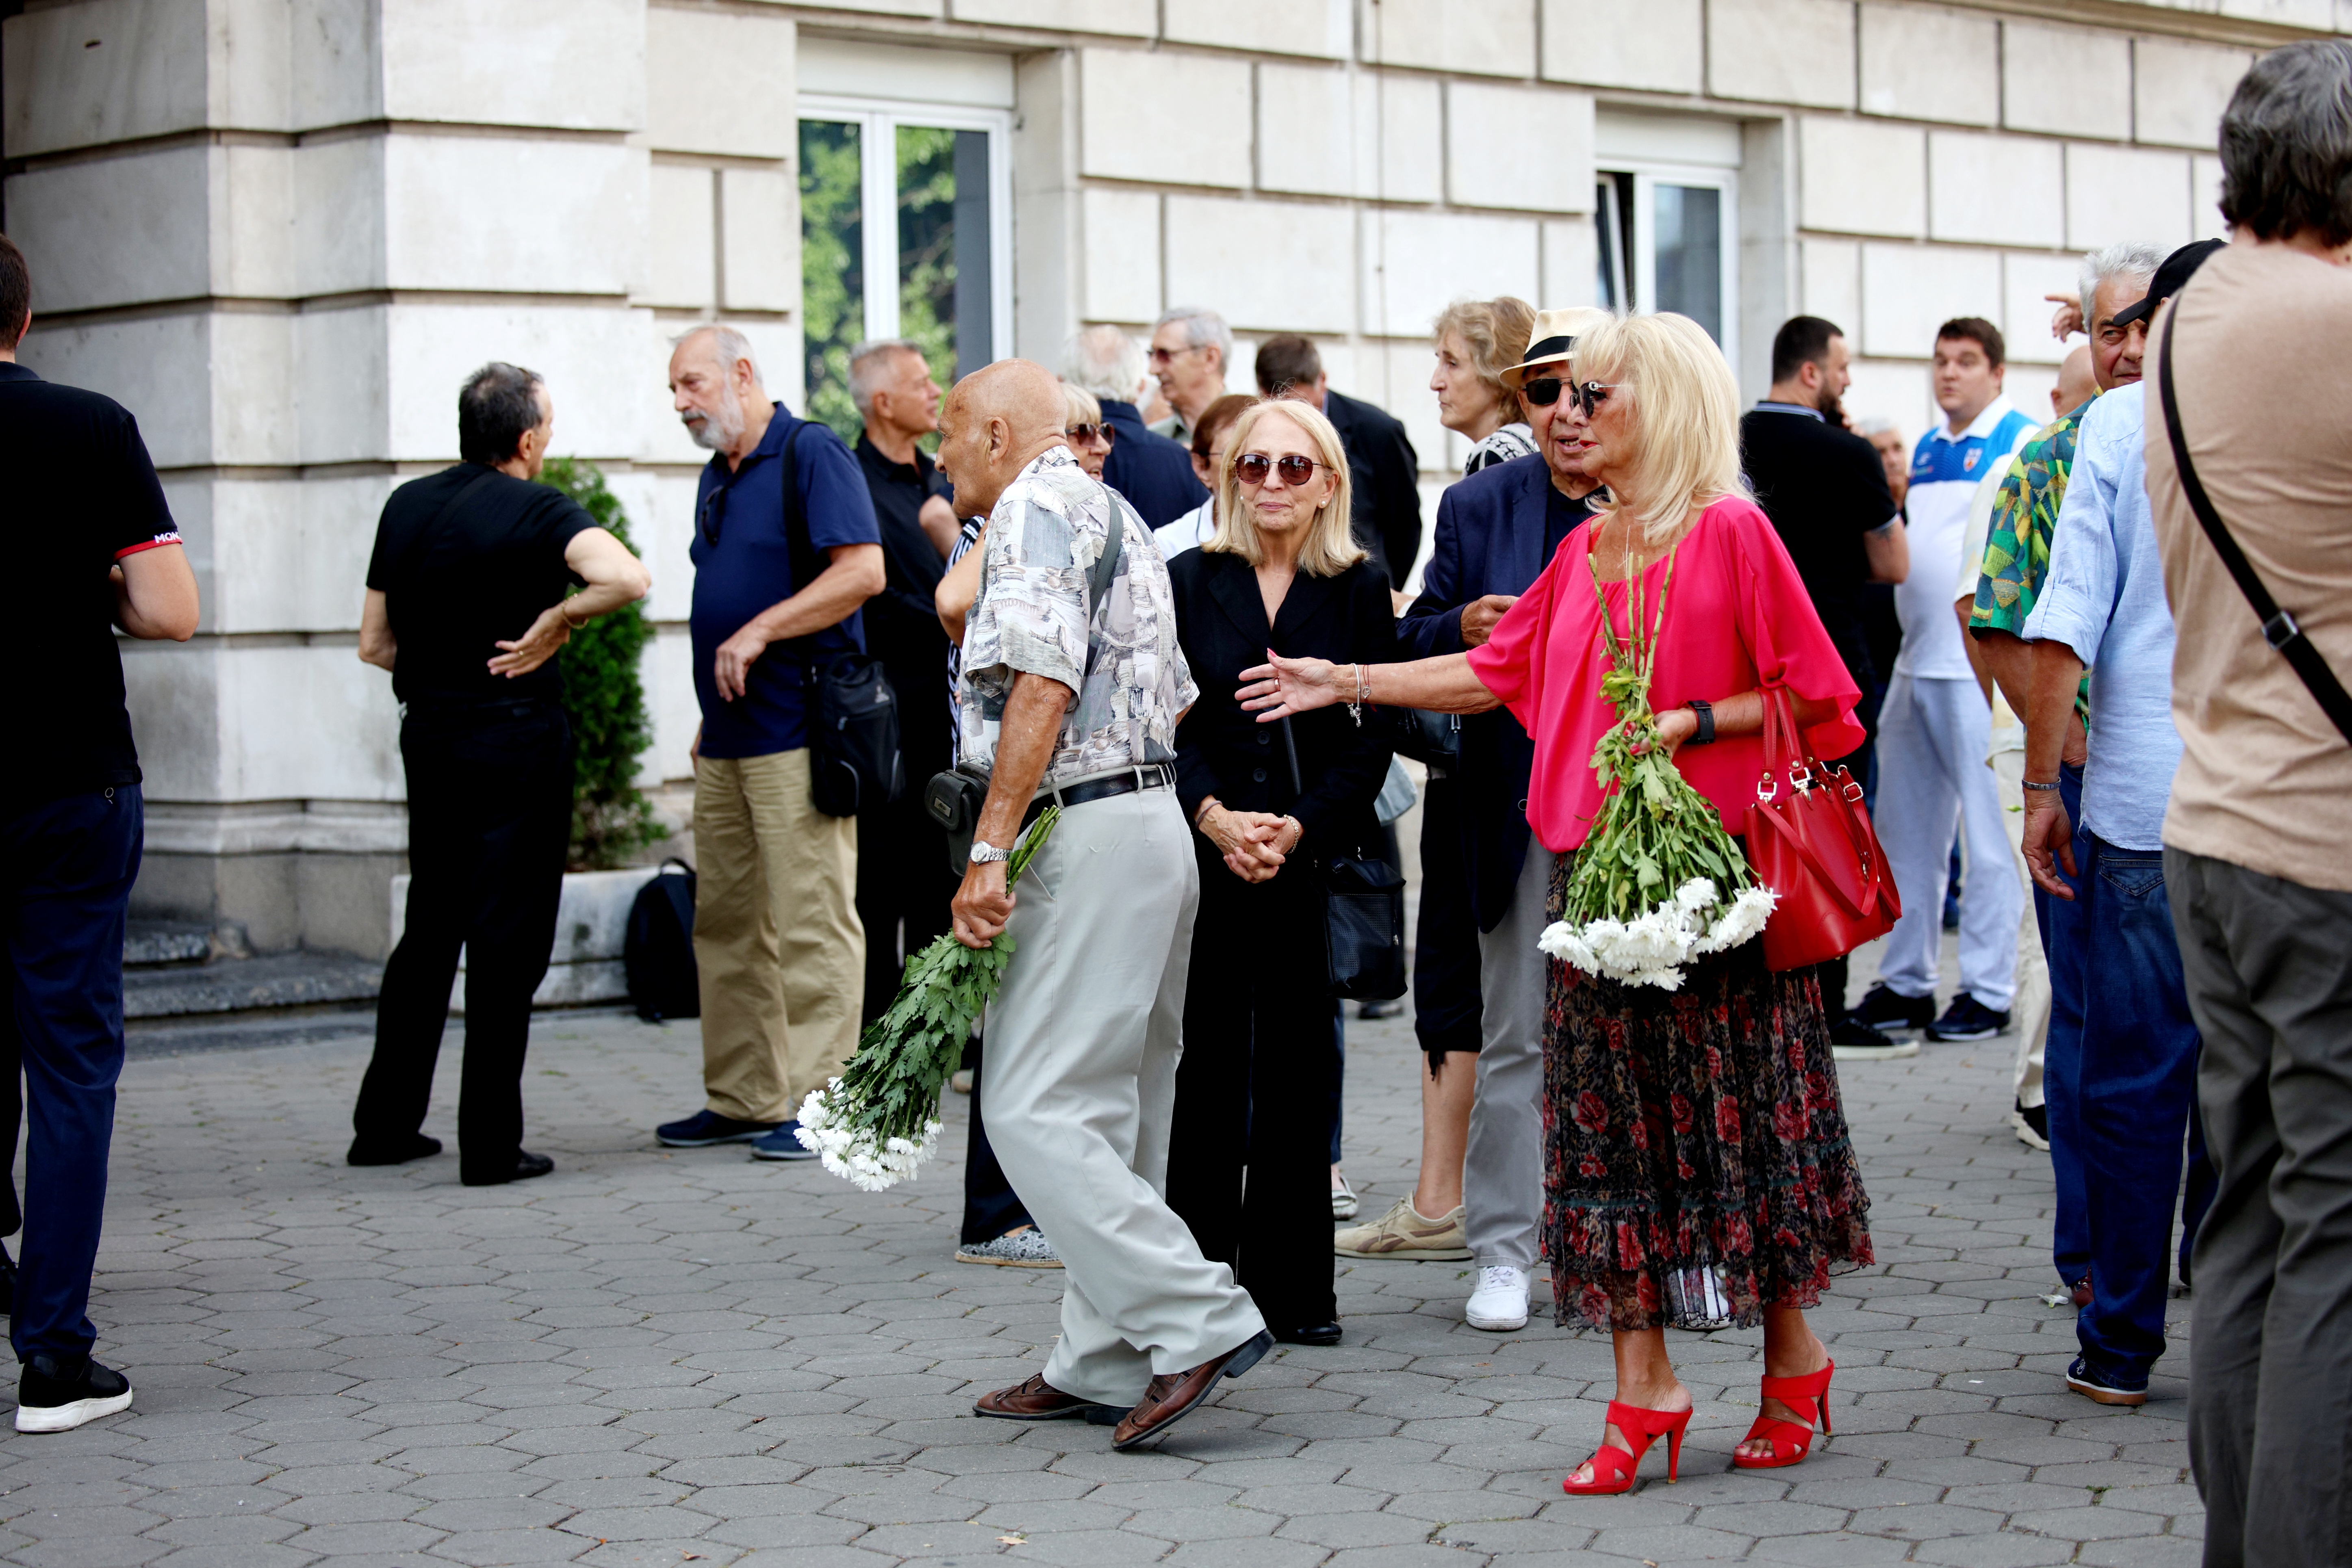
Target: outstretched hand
1281	687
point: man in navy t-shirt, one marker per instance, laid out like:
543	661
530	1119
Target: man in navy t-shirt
780	951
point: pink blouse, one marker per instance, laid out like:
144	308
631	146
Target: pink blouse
1738	617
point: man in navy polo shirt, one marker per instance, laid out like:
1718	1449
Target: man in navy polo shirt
776	934
1936	726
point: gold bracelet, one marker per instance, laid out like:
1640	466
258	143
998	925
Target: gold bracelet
564	610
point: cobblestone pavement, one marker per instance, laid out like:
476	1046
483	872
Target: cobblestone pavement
657	1358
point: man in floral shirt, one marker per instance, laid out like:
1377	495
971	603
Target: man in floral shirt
2016	561
1072	697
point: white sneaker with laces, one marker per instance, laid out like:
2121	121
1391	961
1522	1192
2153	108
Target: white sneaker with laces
1500	1303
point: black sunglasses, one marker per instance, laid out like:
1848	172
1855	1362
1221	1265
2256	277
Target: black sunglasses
1090	434
1251	467
714	514
1589	396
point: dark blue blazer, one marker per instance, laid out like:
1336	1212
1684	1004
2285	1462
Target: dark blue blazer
1152	472
1490	540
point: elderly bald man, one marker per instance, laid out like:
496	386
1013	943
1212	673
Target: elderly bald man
1070	700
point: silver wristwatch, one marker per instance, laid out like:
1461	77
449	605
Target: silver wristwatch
981	853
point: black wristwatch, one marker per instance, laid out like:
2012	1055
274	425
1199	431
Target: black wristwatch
1706	712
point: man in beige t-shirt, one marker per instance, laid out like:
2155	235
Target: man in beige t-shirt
2258	835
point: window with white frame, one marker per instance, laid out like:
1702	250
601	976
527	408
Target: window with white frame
1666	216
905	232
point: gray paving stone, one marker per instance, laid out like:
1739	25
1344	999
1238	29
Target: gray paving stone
656	1358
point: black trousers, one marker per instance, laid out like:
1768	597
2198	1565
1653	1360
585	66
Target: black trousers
489	817
66	869
903	883
990	1206
1247	1157
1447	1008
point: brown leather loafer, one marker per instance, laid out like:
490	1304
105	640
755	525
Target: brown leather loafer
1171	1397
1035	1400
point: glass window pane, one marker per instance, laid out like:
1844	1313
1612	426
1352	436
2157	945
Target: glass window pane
975	297
943	251
1690	254
1609	247
833	268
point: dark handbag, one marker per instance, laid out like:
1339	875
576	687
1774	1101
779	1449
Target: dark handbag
1809	840
2279	628
657	948
953	798
1434	739
853	714
1363	916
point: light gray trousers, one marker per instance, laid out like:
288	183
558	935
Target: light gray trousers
1082	1048
2269	976
1502	1175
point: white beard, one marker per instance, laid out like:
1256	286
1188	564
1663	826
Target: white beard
717	430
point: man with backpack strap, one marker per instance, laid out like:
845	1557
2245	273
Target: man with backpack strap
777	939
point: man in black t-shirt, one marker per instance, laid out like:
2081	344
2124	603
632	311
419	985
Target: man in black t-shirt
466	606
94	548
1825	490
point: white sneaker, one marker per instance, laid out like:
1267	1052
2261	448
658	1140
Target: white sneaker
1500	1303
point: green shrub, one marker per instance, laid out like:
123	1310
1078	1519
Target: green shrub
611	817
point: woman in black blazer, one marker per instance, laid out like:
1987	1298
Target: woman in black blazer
1248	1162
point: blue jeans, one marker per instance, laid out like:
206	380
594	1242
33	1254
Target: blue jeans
2135	1097
2063	930
66	869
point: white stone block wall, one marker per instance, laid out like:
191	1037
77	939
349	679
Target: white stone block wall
281	231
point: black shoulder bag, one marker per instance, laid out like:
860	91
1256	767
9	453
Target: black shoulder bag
853	714
1363	915
2279	628
953	798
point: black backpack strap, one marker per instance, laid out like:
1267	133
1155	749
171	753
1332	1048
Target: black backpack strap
2279	627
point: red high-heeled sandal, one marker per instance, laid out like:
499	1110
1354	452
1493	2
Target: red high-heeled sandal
1808	1397
1613	1468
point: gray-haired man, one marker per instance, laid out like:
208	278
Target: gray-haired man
1153	472
1190	349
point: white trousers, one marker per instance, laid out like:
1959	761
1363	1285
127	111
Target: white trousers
1932	738
1082	1048
1502	1171
2030	1014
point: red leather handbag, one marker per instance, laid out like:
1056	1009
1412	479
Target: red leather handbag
1809	840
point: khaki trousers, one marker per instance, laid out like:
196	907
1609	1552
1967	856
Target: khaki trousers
1083	1043
2030	1009
776	935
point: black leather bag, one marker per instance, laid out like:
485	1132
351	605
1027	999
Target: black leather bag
1434	739
1363	915
1363	929
853	713
953	798
657	948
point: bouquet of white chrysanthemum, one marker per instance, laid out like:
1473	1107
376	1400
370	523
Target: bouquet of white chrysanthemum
1658	882
877	1122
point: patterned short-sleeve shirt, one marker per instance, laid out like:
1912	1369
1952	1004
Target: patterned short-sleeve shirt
1047	530
2025	519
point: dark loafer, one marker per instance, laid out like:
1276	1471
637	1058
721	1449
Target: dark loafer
1318	1334
526	1165
1035	1400
397	1151
1171	1397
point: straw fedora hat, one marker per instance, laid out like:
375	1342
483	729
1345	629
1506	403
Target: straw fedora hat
1551	342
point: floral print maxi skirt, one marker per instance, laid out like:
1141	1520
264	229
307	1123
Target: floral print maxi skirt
1696	1165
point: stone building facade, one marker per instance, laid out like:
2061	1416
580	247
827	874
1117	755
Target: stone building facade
282	231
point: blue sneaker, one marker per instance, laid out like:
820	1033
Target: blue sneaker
2107	1388
784	1143
706	1128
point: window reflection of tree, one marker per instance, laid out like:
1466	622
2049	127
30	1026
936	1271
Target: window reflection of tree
926	263
833	268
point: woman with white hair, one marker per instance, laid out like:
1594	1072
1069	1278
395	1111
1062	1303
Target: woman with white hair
1474	341
1247	1160
1082	425
1697	1169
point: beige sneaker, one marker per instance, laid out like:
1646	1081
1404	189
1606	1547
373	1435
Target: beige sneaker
1405	1234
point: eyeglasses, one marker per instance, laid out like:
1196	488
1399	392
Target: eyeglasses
1168	356
1252	467
1087	435
1588	396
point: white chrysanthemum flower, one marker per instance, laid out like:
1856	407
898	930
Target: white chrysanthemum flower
1743	920
1694	895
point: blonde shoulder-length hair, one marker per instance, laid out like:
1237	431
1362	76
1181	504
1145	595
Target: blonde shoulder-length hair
1685	403
1329	548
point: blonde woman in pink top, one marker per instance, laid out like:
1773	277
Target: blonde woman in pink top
1698	1172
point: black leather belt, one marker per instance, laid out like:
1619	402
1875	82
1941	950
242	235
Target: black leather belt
1153	775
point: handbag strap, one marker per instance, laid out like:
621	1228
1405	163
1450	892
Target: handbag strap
2279	625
